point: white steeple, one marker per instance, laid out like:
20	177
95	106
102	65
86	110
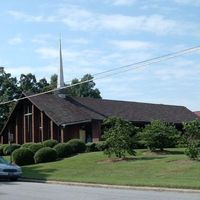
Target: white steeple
60	82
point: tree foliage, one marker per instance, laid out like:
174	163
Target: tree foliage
8	91
29	83
159	135
191	137
86	89
119	137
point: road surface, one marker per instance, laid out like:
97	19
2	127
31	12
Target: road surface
44	191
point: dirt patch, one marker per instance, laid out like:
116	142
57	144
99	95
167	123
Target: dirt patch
181	161
115	160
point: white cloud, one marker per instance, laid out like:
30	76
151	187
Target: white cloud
182	70
15	40
122	2
188	2
132	44
43	39
26	17
77	18
80	19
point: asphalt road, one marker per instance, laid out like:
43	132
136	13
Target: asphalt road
44	191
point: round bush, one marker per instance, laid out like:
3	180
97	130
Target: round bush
8	149
45	154
63	150
35	147
50	143
23	156
1	149
90	147
27	145
101	146
77	145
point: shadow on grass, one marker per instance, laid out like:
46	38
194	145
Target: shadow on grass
130	159
37	172
168	152
149	158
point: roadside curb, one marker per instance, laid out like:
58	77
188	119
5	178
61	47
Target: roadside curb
160	189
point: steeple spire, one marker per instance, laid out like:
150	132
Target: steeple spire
60	82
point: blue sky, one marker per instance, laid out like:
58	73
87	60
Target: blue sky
100	35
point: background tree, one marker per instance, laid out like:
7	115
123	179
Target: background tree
119	137
191	137
84	90
8	91
28	83
42	85
159	135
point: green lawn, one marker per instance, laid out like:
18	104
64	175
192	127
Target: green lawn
173	169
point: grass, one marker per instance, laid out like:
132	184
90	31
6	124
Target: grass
171	169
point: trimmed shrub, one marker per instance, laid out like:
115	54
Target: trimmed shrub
63	150
101	146
35	147
50	143
23	156
192	152
27	145
8	149
91	147
77	145
45	154
1	149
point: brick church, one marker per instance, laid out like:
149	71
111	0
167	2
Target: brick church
60	117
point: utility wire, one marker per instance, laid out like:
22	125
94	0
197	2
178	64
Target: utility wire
124	68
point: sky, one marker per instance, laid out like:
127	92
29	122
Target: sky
101	35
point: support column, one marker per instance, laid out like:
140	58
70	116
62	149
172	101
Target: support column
96	131
42	126
62	135
33	123
51	127
24	129
17	130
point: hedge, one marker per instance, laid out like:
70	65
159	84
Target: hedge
35	147
77	145
23	156
8	149
50	143
1	149
27	145
91	147
45	154
63	150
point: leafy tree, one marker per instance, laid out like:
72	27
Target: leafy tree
85	89
159	135
42	84
53	81
28	83
191	137
8	91
119	137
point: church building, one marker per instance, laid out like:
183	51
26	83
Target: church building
60	117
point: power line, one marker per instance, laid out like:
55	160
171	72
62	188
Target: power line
124	68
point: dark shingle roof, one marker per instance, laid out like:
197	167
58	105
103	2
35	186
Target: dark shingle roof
62	111
197	113
78	109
